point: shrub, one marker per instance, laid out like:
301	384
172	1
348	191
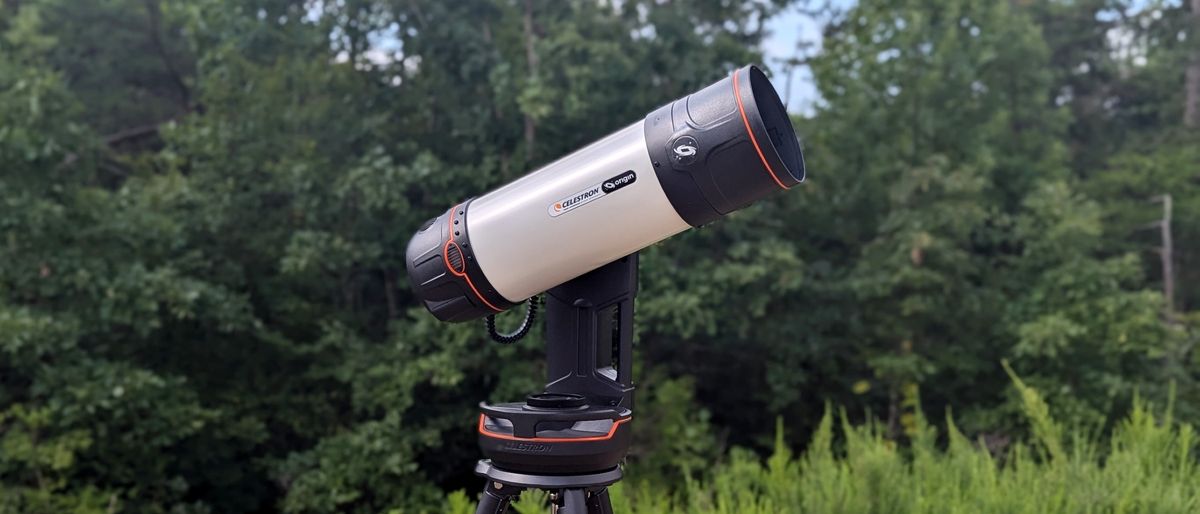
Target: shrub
1148	464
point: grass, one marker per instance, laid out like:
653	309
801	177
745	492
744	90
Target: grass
1148	465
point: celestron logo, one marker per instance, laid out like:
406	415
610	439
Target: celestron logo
592	193
526	447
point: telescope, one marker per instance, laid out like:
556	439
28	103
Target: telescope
572	229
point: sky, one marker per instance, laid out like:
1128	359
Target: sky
790	27
785	32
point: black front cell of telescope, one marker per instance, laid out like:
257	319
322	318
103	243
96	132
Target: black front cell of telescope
724	147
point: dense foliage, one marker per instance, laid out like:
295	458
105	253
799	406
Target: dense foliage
204	206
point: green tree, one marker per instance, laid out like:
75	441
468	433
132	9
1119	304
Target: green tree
205	204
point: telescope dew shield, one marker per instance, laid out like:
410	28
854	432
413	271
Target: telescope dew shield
686	164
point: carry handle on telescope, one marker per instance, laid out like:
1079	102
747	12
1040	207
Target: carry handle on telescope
589	334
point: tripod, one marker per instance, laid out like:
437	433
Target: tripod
570	439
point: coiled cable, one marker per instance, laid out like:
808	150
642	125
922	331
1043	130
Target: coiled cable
531	307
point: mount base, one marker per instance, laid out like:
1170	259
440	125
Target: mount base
486	469
570	438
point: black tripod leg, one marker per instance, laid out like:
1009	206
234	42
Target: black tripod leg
598	502
496	497
574	501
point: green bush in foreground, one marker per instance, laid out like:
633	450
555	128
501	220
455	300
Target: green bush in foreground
1148	465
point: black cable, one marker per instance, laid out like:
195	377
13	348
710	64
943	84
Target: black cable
522	331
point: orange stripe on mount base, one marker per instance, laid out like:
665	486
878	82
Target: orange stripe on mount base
737	96
611	432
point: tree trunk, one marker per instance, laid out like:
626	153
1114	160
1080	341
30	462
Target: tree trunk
1191	106
531	59
154	30
1167	253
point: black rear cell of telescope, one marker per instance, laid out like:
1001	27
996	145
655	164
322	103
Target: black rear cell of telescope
705	156
443	273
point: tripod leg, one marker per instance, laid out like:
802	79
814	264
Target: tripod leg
574	501
496	497
599	502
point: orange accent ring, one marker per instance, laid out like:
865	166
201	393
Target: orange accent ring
737	96
611	432
463	273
